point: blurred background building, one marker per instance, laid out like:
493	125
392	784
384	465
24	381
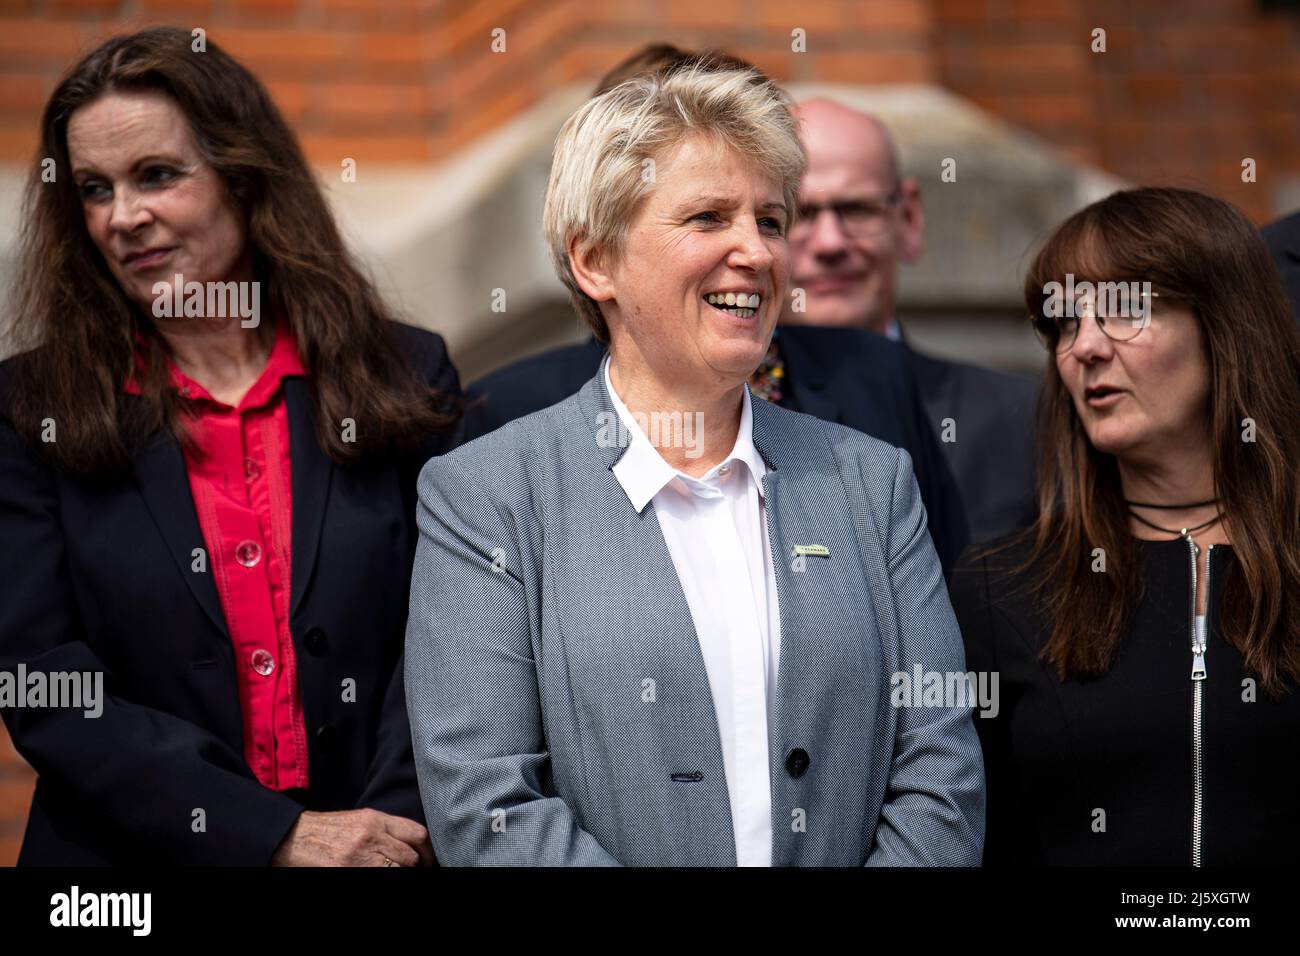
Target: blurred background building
447	109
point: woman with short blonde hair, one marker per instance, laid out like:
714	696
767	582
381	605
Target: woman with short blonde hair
605	157
637	644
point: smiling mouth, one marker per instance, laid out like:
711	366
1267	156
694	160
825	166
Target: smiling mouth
742	305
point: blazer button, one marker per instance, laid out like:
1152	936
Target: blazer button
315	641
796	763
327	736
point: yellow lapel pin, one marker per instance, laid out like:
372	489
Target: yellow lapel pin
812	551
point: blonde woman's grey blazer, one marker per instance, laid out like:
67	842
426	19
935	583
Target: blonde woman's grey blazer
557	693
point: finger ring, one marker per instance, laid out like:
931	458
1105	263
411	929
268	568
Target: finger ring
388	862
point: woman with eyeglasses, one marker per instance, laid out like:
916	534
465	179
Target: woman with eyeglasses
1146	630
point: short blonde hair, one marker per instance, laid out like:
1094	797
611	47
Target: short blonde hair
597	179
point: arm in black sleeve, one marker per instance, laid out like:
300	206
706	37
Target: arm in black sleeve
391	785
1005	824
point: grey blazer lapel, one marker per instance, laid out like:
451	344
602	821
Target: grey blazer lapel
829	644
647	624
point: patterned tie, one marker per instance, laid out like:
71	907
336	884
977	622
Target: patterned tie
768	379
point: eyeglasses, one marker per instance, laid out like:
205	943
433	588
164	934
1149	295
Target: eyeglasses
859	218
1117	319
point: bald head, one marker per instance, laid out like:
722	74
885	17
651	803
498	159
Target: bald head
837	133
860	219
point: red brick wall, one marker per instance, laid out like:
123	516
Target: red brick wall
1184	92
1178	97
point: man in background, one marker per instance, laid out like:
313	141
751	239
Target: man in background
859	219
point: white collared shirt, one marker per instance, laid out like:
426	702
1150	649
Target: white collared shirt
716	531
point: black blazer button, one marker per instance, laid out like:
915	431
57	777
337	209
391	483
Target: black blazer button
796	763
327	736
315	641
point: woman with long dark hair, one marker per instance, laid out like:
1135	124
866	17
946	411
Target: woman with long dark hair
208	450
1146	630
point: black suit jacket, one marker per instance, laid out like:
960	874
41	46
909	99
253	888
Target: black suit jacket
847	376
96	576
991	454
1283	238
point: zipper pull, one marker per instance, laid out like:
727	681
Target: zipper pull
1198	647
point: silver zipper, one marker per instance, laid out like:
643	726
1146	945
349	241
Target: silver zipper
1198	678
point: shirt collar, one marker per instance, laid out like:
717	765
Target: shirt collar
282	363
642	471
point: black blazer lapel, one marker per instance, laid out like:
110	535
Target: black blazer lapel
165	486
809	376
312	470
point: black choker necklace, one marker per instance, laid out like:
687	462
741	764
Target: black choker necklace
1193	504
1176	531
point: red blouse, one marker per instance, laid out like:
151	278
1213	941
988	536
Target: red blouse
241	484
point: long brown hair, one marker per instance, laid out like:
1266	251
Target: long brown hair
82	330
1208	255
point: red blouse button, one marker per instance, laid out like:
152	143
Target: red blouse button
248	553
263	662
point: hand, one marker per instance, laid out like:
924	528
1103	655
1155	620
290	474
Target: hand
354	838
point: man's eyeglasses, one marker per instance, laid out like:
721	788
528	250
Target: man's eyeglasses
1121	318
859	218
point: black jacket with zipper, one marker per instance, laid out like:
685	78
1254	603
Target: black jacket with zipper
1100	771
